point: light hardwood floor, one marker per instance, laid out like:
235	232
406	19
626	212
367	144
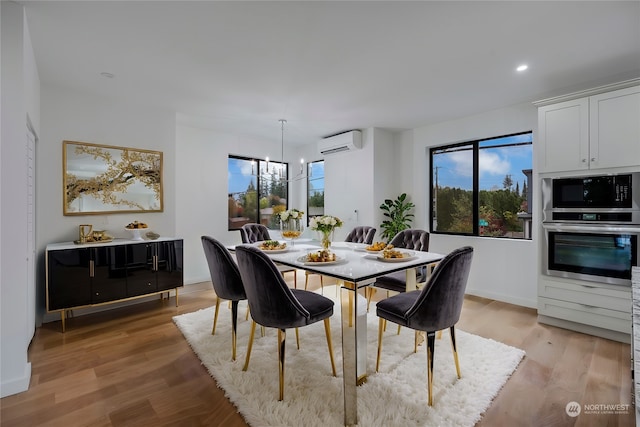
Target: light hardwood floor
132	367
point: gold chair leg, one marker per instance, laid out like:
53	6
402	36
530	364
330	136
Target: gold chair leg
234	327
430	350
327	331
455	350
295	279
282	339
415	341
297	339
306	279
246	360
321	285
215	316
399	330
439	335
246	316
380	329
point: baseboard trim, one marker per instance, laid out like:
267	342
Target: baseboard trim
504	298
17	385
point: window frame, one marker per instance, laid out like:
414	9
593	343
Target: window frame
475	148
309	176
259	182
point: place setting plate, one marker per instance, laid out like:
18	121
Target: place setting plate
303	259
406	256
271	251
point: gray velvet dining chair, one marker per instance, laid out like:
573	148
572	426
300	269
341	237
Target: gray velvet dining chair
252	233
359	234
226	281
413	239
274	305
434	308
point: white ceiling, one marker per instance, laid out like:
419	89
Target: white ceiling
332	66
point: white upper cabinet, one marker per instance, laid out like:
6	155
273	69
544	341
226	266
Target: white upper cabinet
614	136
564	136
593	132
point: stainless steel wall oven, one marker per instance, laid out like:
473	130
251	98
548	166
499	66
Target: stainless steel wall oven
592	227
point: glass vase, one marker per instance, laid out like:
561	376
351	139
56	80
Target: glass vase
326	238
291	229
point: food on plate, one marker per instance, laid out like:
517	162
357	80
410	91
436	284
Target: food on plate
290	234
321	256
377	246
136	225
272	245
392	253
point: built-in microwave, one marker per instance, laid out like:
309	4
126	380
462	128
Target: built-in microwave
611	199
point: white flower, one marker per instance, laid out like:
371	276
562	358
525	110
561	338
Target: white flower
291	214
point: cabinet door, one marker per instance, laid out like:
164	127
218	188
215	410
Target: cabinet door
69	283
141	276
109	274
564	136
615	128
169	264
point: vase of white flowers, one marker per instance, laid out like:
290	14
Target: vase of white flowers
325	225
291	225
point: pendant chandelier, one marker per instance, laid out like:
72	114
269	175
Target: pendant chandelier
281	175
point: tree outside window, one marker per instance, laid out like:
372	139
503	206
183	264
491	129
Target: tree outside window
315	189
256	192
481	187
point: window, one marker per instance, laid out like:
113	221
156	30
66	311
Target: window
256	192
315	189
481	188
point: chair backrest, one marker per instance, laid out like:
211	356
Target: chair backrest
440	302
251	233
271	301
411	238
361	234
225	275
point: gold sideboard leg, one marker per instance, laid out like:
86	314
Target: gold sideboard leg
176	297
63	316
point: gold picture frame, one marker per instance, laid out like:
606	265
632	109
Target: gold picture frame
100	179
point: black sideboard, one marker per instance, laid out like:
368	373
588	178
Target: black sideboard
96	274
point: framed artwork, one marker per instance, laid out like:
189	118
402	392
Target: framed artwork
100	179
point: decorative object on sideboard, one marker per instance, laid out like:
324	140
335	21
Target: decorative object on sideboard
86	234
135	227
100	179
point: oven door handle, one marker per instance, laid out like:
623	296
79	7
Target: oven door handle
591	228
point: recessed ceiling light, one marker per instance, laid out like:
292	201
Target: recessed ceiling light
107	75
522	67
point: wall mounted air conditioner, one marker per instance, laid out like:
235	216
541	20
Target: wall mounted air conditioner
347	141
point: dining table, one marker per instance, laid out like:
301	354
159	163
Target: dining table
355	269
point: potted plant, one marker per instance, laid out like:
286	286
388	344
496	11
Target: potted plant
399	217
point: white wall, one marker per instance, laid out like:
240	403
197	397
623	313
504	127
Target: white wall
502	269
75	116
348	186
202	187
19	100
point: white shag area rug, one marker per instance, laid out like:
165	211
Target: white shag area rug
396	396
